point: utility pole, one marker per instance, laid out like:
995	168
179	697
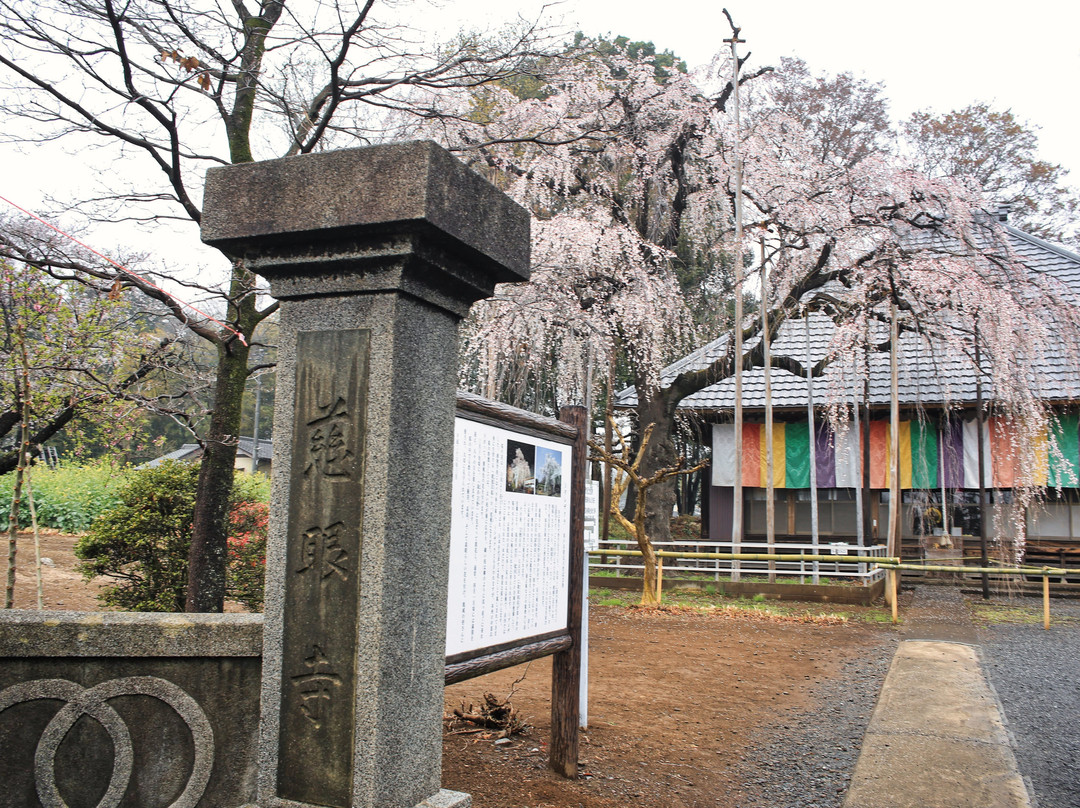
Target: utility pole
737	504
981	421
813	447
255	427
609	414
770	456
892	540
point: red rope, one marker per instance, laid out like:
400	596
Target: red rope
127	271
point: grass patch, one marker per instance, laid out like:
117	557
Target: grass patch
873	615
1000	613
614	597
716	603
686	529
1015	613
602	573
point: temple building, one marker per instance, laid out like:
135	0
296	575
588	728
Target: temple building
939	451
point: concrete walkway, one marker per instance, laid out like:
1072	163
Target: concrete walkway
937	737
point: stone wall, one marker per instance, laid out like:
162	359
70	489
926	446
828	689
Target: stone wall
119	709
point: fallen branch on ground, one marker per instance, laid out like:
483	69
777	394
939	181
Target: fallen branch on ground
494	718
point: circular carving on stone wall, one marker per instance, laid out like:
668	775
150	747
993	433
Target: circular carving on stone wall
92	702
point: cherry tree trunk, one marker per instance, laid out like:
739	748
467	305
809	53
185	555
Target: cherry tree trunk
650	593
657	409
209	530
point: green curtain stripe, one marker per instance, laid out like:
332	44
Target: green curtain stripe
797	454
924	455
1064	433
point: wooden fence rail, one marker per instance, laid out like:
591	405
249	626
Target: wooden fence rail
891	565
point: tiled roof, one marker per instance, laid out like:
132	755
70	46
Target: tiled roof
925	377
191	451
245	446
185	452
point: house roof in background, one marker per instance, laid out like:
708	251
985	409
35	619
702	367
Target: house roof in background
189	451
246	446
925	377
192	451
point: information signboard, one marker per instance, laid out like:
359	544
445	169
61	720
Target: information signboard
509	537
592	516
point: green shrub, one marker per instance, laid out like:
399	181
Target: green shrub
143	542
67	498
251	487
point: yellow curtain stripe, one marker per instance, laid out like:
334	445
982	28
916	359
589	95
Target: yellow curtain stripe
779	439
1042	458
905	454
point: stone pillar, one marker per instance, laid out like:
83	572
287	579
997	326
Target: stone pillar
375	255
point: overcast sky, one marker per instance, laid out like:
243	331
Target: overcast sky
941	55
938	55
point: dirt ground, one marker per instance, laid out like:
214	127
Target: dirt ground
676	698
675	701
64	588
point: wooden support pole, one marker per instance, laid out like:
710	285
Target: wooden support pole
813	447
893	576
660	580
870	500
566	665
893	538
980	416
770	448
1046	601
860	528
737	328
609	414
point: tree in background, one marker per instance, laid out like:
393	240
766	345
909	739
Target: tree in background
57	353
168	88
67	353
999	154
846	118
618	157
627	465
619	163
144	365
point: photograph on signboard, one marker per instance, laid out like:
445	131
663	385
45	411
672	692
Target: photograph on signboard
520	467
548	472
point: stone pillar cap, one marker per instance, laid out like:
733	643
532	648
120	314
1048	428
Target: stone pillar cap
321	204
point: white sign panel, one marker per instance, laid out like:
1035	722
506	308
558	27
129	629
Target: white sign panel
509	537
592	516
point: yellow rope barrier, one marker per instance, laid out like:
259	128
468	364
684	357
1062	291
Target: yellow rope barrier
882	561
890	564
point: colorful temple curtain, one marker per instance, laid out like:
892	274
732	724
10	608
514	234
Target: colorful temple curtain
930	455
